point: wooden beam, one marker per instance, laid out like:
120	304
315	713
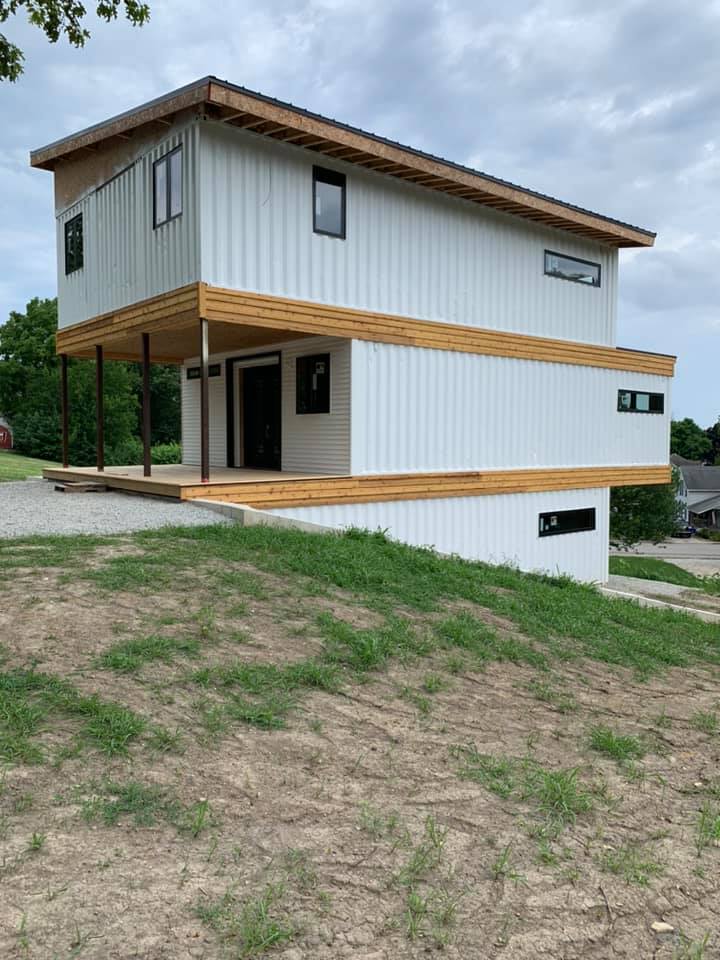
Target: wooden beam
100	408
147	428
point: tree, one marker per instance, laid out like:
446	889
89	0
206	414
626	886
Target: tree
30	394
57	18
644	513
689	440
713	435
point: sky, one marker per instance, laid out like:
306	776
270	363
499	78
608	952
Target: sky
612	106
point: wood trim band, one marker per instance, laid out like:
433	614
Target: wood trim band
269	494
234	306
425	486
185	305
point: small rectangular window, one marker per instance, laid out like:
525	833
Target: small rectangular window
636	401
167	187
193	373
570	268
566	521
329	202
74	244
312	384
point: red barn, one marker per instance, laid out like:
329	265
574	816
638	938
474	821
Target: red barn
5	435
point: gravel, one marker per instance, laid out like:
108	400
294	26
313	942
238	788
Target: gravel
31	507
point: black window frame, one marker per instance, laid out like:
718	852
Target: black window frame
567	256
74	258
194	373
634	394
165	158
335	179
309	358
577	520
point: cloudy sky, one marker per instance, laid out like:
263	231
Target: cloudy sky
614	106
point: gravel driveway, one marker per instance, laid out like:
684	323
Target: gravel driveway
34	507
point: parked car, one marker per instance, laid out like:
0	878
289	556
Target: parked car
685	530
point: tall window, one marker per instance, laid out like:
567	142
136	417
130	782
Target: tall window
312	384
329	202
74	244
167	187
570	268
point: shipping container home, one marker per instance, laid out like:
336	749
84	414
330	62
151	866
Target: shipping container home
367	335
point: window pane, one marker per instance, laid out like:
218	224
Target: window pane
176	183
161	211
642	402
566	521
329	208
312	384
568	268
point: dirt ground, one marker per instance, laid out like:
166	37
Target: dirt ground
358	830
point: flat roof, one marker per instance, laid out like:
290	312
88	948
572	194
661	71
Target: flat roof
278	120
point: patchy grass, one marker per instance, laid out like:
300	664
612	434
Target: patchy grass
631	863
649	568
621	747
13	466
129	656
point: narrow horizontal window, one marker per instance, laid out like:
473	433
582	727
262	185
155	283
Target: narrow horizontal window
167	187
74	244
570	268
312	384
636	401
566	521
329	202
193	373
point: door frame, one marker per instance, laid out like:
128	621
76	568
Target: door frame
232	397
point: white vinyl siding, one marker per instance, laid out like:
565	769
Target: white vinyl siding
497	529
408	250
417	410
310	443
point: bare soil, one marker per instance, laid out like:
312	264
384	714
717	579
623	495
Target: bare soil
331	810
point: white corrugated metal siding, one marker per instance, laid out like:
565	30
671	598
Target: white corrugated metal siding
125	259
497	529
408	251
416	409
312	443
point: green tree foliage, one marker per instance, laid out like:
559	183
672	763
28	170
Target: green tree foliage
689	440
713	435
58	18
30	395
643	513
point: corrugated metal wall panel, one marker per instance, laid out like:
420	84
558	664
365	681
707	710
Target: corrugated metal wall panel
125	259
416	409
313	443
496	529
408	250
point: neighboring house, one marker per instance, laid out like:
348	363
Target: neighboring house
6	439
698	492
368	335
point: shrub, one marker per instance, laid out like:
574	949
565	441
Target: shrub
167	453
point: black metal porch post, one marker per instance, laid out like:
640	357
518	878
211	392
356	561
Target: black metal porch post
147	469
65	404
100	408
204	404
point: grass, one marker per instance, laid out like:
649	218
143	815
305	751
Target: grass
650	568
112	802
621	747
503	869
13	466
705	722
129	656
708	826
632	864
558	795
252	926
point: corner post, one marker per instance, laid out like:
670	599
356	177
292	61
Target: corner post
100	408
204	404
65	406
146	428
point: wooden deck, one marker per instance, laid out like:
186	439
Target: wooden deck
182	482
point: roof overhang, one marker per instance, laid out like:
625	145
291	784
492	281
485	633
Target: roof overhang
239	107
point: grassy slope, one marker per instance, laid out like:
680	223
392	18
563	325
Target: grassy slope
649	568
15	467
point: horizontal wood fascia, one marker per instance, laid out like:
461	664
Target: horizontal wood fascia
241	307
424	486
186	305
